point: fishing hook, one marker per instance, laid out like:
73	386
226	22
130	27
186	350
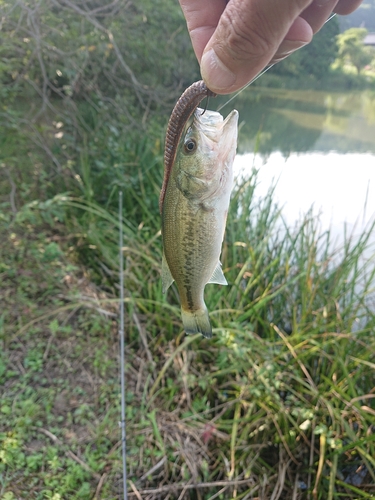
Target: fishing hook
206	105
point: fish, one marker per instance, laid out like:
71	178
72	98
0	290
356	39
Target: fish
194	204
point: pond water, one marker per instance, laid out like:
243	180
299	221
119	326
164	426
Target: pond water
318	146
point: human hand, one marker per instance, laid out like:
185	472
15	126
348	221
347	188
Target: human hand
235	40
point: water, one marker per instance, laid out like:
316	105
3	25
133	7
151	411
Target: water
318	146
340	188
301	121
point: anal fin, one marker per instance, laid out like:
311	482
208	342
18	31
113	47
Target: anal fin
218	276
166	275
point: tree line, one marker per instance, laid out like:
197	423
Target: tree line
92	79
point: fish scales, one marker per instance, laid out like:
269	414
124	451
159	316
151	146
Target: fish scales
189	256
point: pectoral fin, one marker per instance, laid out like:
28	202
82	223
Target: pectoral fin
166	276
218	276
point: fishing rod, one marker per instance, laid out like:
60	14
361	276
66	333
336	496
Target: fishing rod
122	422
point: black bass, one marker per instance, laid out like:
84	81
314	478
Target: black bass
194	205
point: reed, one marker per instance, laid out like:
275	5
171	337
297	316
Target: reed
284	393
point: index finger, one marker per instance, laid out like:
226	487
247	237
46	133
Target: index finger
202	19
247	37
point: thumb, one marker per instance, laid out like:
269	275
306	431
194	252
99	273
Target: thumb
247	37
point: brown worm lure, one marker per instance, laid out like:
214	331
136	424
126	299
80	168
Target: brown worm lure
184	108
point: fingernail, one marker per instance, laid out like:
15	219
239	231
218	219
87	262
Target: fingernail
214	72
288	46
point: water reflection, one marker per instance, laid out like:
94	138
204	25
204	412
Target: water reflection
320	146
300	121
340	188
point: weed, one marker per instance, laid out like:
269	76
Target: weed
284	391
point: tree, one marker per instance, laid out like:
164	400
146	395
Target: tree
352	49
87	85
133	55
318	56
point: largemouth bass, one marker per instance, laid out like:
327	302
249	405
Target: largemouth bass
194	208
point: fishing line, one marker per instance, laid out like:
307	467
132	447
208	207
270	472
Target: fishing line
122	422
245	87
259	75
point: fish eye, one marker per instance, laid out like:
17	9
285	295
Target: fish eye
190	146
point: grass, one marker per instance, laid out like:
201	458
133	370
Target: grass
55	352
279	405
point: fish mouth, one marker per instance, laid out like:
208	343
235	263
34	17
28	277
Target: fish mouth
214	127
230	127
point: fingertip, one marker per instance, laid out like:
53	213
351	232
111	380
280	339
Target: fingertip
300	31
299	35
345	7
199	38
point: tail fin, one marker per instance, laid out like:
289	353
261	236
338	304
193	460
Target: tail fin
197	322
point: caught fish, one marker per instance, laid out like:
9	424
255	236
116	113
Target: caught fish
194	203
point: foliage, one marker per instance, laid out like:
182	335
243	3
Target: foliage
83	49
352	49
285	385
322	51
75	73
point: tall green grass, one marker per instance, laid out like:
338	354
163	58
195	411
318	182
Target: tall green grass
281	402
